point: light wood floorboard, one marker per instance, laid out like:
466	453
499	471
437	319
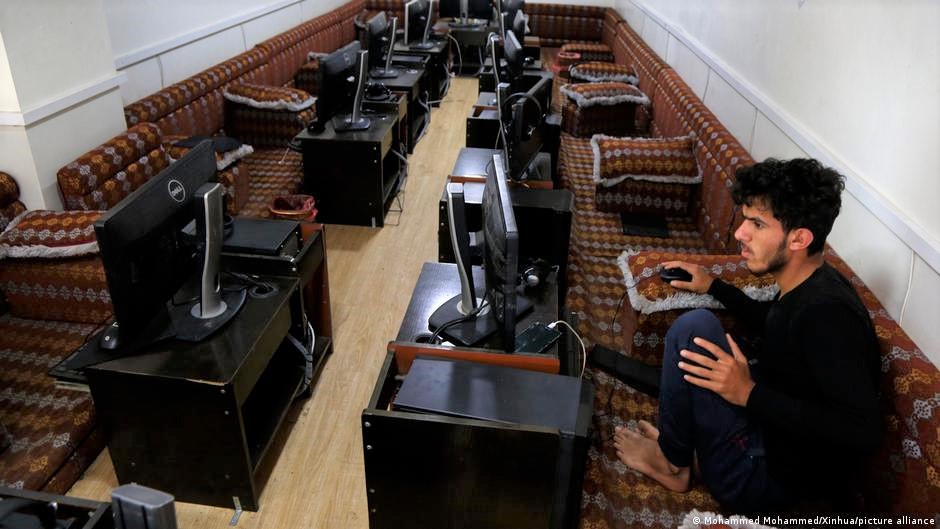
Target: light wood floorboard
318	478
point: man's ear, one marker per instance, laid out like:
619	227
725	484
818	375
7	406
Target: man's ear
800	239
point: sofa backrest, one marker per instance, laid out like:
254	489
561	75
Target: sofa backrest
557	24
288	51
905	476
100	178
10	205
195	105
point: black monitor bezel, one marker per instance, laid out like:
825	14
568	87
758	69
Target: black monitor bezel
499	220
376	29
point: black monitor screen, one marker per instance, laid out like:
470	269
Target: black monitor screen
337	81
480	9
518	24
450	8
417	13
501	250
471	8
515	59
378	28
512	7
146	256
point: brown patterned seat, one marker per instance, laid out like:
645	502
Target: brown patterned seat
49	308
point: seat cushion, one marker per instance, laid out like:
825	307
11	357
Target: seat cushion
50	234
47	425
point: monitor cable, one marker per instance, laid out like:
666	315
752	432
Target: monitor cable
433	340
580	341
459	56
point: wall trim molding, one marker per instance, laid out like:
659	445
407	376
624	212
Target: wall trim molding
887	212
62	102
148	52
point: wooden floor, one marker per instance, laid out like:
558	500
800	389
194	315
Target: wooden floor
318	480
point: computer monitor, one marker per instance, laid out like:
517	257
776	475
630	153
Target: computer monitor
418	23
380	34
336	76
520	116
462	9
354	120
464	319
512	7
515	60
148	257
519	23
501	254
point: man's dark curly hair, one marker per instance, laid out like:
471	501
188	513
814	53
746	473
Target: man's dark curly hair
800	193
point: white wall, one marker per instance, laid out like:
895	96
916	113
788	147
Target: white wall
58	90
854	84
183	38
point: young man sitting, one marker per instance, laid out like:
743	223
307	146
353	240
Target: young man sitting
794	419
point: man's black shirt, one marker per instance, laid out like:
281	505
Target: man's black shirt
816	375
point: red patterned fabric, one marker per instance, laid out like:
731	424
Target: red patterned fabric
69	289
601	72
10	205
48	425
274	172
661	160
49	234
556	24
307	77
266	128
590	51
102	177
592	108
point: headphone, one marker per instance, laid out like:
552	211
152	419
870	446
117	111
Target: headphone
536	273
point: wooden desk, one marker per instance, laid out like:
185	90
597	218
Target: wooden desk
438	75
425	470
197	419
353	175
411	83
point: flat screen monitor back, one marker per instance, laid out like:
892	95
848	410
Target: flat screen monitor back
146	256
337	91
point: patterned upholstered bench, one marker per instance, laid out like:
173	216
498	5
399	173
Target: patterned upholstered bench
50	305
905	476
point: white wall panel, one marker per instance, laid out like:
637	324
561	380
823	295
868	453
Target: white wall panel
770	141
314	8
73	133
143	79
734	112
183	62
632	14
920	316
864	242
8	101
16	157
694	71
656	36
271	24
54	47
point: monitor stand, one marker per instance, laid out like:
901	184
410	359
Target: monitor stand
384	73
473	331
423	45
344	122
195	322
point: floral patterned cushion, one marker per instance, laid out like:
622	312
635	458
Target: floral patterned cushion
176	147
607	94
663	160
648	293
269	97
47	234
10	205
599	72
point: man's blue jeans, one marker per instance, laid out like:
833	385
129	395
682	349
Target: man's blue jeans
695	420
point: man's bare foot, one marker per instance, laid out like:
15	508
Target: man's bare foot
648	430
644	455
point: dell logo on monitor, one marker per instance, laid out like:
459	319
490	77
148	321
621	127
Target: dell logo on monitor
177	191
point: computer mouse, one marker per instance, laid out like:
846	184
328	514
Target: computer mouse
674	274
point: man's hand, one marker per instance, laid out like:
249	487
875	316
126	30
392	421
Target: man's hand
728	376
701	279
